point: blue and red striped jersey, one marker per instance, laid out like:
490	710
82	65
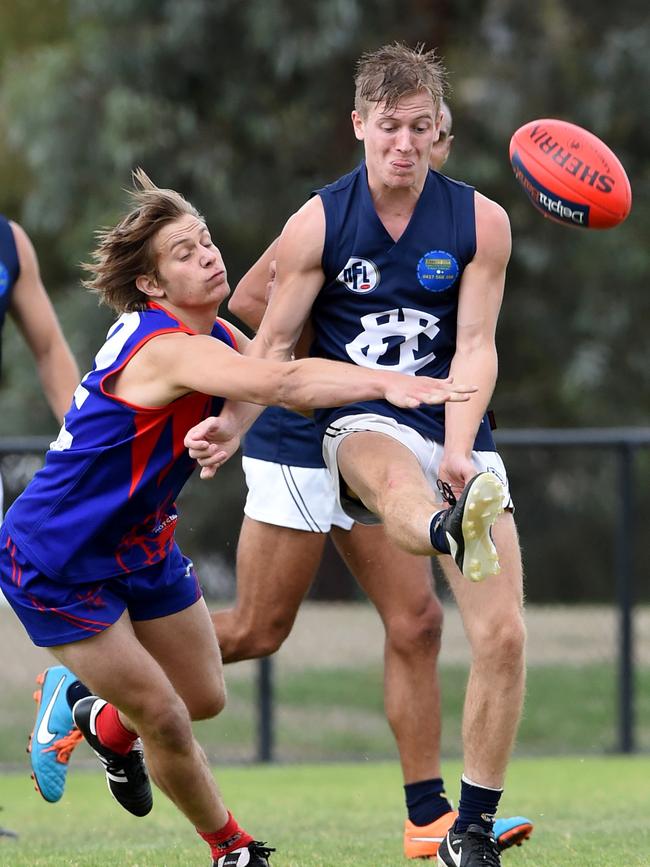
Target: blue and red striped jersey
104	502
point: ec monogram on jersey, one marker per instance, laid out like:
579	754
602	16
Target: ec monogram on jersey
393	305
396	338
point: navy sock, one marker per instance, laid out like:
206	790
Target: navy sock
437	533
426	801
477	805
76	691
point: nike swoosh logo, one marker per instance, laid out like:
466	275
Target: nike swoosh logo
44	735
456	856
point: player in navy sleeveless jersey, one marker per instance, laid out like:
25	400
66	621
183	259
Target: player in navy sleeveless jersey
401	268
87	553
290	506
24	299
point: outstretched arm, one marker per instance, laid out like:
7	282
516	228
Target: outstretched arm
34	315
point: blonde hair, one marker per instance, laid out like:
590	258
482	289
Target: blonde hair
389	73
126	251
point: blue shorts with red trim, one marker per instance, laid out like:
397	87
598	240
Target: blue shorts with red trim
56	613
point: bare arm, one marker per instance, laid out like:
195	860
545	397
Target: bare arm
248	301
172	365
34	315
251	297
299	278
475	359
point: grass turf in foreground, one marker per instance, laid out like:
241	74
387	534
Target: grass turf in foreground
337	715
591	811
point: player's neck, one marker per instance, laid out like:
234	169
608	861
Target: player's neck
394	206
395	200
199	319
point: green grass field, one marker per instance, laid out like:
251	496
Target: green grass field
337	714
589	812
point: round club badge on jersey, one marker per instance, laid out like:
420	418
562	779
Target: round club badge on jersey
437	270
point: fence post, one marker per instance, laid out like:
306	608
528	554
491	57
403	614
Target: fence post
265	707
625	592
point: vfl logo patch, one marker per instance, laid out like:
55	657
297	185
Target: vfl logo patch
4	278
437	270
359	275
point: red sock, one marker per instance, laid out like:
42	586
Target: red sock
112	733
228	838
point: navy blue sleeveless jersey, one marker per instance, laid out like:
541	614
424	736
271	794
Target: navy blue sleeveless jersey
392	305
284	437
9	270
104	503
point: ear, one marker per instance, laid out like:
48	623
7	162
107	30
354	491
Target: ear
437	123
148	286
358	125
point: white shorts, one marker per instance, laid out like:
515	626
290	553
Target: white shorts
428	453
301	498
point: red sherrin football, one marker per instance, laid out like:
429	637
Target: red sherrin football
570	175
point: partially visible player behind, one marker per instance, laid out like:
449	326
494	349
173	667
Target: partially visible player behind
24	299
88	559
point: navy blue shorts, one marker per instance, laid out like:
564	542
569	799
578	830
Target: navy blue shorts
56	613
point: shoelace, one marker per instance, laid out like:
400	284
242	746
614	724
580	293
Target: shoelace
260	848
64	746
487	848
446	492
131	765
135	767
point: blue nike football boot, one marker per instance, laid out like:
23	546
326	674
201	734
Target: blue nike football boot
55	735
512	831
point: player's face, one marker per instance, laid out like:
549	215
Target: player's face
441	148
191	272
397	142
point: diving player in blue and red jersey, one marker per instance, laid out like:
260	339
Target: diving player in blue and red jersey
88	559
401	268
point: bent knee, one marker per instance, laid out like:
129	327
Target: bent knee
208	705
502	639
168	724
257	640
417	631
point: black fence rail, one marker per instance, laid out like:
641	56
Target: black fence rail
624	444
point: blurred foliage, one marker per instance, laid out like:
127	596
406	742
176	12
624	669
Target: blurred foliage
244	107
